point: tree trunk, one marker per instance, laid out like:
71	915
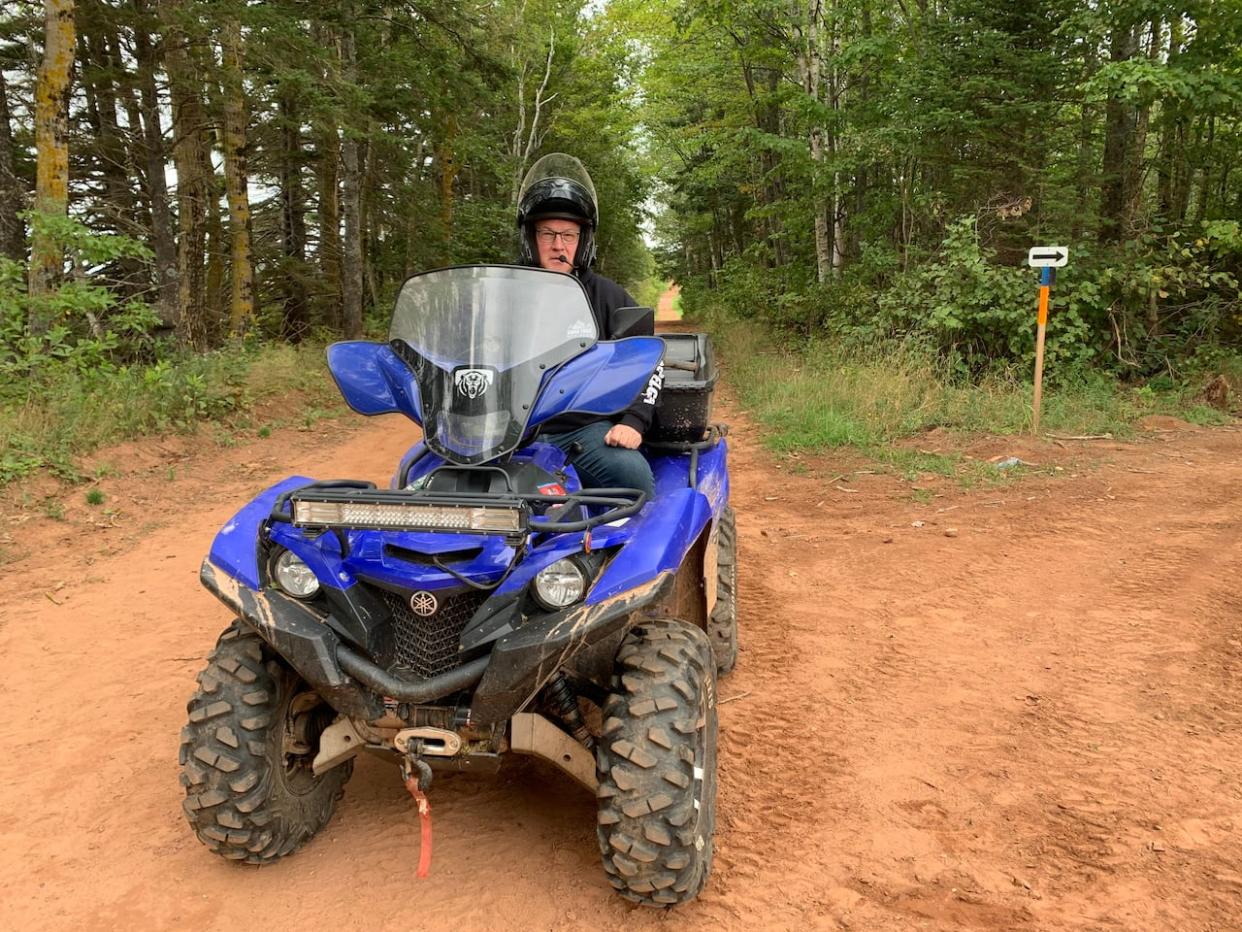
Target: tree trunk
12	197
835	92
1136	160
371	220
811	66
328	167
1086	132
217	252
241	266
1119	124
296	318
446	158
1205	171
526	140
351	206
194	187
47	260
163	241
95	75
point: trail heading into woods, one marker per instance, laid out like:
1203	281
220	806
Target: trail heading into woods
1014	707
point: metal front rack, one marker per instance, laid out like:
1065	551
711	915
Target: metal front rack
362	506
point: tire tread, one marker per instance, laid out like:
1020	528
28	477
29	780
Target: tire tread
232	801
655	844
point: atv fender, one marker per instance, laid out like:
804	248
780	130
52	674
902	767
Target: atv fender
235	549
298	634
522	662
662	538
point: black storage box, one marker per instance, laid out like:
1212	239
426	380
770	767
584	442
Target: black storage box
684	410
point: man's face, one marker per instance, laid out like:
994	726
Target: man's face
557	241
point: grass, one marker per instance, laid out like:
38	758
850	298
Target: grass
67	414
817	397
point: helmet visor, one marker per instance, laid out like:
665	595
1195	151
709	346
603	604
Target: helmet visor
558	165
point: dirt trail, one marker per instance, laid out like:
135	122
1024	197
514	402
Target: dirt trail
1022	713
667	311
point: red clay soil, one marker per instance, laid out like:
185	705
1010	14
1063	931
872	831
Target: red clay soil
1017	707
667	310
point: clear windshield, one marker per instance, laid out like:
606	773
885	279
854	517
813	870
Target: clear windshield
480	339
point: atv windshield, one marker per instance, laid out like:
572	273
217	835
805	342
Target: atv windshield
479	340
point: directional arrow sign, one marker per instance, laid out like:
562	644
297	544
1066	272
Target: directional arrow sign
1048	257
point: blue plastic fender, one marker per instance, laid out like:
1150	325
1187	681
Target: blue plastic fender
235	549
603	380
673	472
661	538
373	380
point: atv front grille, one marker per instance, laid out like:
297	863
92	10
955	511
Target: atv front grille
426	645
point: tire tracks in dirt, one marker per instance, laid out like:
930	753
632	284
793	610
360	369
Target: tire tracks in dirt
1031	724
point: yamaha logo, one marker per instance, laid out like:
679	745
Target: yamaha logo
424	604
473	383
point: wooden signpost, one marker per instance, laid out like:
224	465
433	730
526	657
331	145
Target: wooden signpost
1047	259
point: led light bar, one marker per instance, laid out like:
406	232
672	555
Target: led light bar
321	511
433	517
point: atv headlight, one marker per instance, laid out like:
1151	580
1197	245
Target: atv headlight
561	584
294	576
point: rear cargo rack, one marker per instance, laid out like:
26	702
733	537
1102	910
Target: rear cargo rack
684	408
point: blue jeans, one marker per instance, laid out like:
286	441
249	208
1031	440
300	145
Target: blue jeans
601	466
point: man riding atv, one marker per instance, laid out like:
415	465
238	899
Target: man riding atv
503	595
557	217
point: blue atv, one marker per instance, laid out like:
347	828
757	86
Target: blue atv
485	603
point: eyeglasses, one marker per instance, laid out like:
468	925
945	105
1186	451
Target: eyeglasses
548	237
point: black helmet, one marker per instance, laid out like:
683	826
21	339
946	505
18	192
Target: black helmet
557	187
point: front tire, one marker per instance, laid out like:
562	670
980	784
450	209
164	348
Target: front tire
246	753
656	762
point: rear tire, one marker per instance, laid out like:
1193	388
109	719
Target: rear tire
722	626
656	762
247	750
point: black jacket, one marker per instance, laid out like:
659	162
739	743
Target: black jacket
607	297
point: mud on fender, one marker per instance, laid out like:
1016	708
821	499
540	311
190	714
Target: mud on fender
295	632
523	661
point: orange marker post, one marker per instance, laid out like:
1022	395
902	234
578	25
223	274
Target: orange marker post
1047	259
1045	285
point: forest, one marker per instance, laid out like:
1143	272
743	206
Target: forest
188	189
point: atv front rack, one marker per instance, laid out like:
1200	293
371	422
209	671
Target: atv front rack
347	504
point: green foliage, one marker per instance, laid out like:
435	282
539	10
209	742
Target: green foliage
72	412
83	323
824	394
938	144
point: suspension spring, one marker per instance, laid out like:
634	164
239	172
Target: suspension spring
561	697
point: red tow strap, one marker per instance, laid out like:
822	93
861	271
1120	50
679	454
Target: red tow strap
424	818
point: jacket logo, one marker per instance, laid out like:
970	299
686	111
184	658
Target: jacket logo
473	383
654	385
